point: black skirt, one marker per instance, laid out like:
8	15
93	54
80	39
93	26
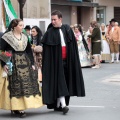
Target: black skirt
24	81
96	48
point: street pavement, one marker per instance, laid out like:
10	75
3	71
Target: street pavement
102	101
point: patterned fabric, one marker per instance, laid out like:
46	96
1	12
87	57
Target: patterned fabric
37	53
105	53
35	40
38	60
17	45
85	59
14	103
77	35
23	81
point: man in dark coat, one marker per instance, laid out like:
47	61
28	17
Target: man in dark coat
61	70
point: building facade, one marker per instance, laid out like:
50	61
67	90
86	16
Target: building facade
75	11
107	10
84	11
35	12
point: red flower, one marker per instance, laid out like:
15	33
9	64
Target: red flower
5	56
8	54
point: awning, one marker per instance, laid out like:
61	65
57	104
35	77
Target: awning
75	3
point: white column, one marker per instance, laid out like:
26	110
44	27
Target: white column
73	15
94	13
109	13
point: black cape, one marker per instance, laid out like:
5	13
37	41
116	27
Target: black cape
54	83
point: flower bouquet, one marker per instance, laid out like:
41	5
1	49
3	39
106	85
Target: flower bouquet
5	57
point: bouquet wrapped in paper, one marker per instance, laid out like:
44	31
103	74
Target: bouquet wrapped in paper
5	57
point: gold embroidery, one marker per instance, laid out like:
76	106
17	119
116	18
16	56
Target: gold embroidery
14	43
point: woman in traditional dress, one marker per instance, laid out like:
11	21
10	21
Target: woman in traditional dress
82	47
21	90
105	54
88	40
37	49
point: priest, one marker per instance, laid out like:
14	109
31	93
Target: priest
61	69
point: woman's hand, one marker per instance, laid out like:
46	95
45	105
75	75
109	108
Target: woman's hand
33	67
5	68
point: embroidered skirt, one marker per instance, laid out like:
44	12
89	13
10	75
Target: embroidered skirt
21	90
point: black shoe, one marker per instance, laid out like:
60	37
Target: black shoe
15	112
21	114
65	110
103	61
58	109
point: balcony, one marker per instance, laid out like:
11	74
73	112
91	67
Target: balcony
86	3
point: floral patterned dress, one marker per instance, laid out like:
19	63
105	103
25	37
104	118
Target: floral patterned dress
85	59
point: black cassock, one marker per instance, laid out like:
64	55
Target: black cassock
54	82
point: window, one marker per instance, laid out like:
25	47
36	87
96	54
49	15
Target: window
100	15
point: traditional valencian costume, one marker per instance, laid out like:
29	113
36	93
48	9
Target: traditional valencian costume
105	54
20	90
83	50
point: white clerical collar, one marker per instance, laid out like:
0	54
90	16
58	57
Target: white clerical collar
62	38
